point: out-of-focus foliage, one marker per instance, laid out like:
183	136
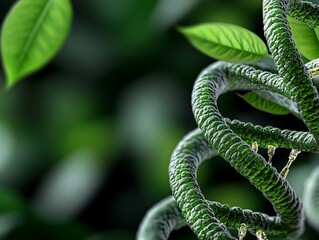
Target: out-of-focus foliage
310	197
85	142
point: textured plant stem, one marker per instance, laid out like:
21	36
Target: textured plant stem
289	79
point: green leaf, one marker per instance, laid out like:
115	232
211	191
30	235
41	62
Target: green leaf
32	34
305	38
226	42
279	100
256	99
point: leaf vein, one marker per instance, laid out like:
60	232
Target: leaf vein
33	33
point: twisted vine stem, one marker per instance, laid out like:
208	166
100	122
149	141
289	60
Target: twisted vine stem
291	79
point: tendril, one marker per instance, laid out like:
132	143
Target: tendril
238	142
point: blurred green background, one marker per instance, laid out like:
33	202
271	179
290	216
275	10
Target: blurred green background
85	143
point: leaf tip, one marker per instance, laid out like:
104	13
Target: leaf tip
181	29
11	80
9	84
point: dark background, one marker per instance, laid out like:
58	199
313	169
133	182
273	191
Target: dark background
85	143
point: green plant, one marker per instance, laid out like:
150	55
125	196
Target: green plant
285	85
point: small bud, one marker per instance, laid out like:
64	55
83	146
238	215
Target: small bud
314	72
271	153
292	156
261	235
254	146
242	231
